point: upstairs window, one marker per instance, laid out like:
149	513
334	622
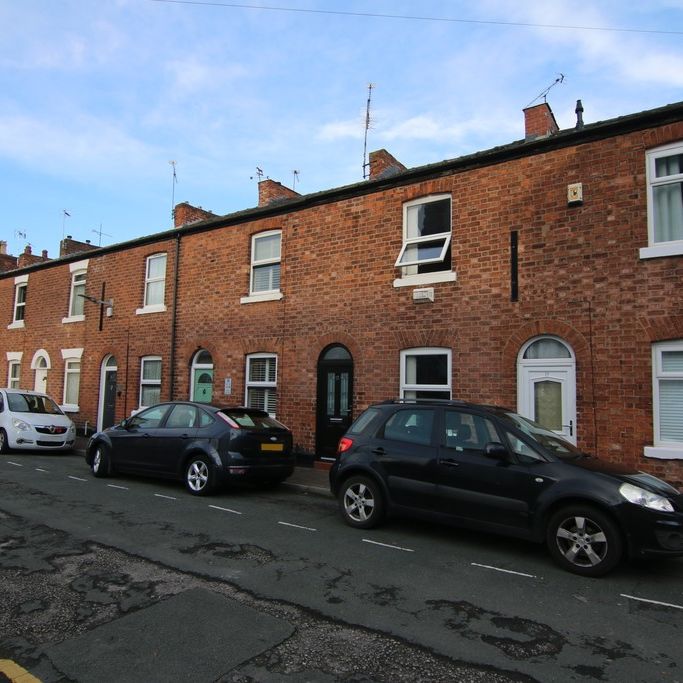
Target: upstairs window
426	236
262	382
265	262
665	202
77	292
19	310
155	284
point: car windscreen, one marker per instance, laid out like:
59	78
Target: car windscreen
544	437
31	403
253	420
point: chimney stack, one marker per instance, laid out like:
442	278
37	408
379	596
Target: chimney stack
539	122
384	165
270	191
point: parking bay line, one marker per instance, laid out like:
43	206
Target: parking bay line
505	571
298	526
161	495
40	469
71	476
216	507
16	464
114	486
387	545
652	602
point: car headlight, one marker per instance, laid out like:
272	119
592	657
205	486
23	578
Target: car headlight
20	425
644	498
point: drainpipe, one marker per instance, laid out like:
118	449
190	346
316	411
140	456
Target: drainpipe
174	315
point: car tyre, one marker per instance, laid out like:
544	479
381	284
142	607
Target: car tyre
200	476
4	447
361	502
101	462
584	540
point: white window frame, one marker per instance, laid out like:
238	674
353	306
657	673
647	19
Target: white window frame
78	271
263	294
146	306
144	382
662	449
14	361
20	284
657	249
425	351
409	275
270	386
70	357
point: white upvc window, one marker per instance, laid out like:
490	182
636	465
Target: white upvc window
150	381
664	173
265	262
19	309
261	384
425	255
155	284
72	378
14	369
78	271
426	373
667	400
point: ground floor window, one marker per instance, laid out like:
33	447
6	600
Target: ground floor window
667	390
150	381
426	373
261	389
14	374
72	380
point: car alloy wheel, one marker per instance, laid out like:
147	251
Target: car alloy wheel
199	476
100	462
584	540
4	448
361	502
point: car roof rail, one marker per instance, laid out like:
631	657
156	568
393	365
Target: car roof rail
444	401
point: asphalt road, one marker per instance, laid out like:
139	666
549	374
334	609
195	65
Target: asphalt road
137	580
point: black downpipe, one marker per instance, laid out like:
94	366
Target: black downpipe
174	315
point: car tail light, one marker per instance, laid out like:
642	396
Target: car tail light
344	444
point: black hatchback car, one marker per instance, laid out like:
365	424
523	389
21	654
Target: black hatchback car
203	445
490	469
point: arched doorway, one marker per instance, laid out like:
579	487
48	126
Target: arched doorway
546	385
40	364
335	399
201	377
106	415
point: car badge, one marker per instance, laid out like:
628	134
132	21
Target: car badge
273	438
51	429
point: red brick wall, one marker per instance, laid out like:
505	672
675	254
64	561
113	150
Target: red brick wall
580	278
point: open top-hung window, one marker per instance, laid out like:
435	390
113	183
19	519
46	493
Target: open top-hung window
426	235
665	201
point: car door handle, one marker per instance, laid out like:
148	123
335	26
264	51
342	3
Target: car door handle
449	462
379	451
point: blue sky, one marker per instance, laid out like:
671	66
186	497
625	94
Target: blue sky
96	98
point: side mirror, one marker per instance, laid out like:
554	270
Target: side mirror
496	451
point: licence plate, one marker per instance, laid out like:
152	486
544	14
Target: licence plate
272	447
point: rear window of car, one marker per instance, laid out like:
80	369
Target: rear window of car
363	420
30	403
249	420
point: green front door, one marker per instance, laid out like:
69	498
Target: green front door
203	386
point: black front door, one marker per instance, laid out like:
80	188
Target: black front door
335	399
109	399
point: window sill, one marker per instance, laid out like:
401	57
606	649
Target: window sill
266	296
156	308
17	325
664	452
70	408
425	279
73	319
663	249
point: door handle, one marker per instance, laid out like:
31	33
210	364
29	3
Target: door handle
379	451
449	462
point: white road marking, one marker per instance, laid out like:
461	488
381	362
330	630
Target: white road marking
652	602
234	512
387	545
40	469
114	486
16	464
506	571
76	478
297	526
161	495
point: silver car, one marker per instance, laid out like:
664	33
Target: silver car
33	421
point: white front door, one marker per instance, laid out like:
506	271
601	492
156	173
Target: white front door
40	383
548	396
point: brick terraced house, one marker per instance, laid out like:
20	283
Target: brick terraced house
544	275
